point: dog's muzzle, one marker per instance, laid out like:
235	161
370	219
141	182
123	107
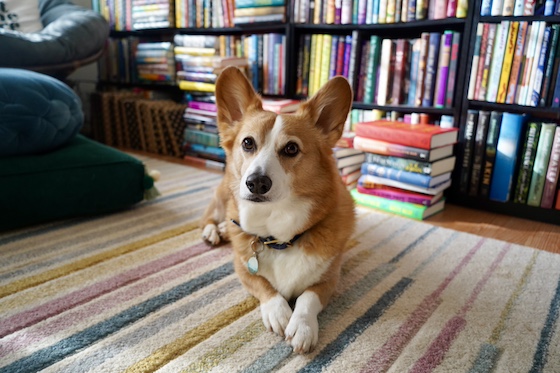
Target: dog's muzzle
258	185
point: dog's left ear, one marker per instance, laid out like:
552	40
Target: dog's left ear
329	108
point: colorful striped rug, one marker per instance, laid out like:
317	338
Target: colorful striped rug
138	291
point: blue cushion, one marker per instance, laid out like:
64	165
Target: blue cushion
37	112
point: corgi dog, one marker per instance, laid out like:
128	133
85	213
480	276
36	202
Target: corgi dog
282	203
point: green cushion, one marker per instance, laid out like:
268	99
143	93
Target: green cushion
81	178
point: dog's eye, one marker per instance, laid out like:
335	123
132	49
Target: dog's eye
248	144
291	149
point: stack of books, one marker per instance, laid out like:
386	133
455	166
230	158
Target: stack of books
199	62
256	11
155	62
349	163
201	140
407	167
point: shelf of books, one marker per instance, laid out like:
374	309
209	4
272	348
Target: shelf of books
510	139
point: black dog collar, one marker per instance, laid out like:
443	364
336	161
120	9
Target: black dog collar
272	242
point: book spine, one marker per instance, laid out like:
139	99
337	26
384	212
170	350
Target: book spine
490	152
397	195
549	68
535	87
409	165
385	148
517	62
372	67
431	69
424	46
401	61
527	162
497	60
443	69
542	157
481	91
384	71
409	210
397	175
507	62
413	76
552	172
453	65
468	148
475	61
506	158
478	151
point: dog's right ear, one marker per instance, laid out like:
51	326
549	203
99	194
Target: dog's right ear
235	96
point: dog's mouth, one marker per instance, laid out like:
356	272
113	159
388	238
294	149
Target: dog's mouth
257	198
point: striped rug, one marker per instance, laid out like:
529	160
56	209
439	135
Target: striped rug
138	291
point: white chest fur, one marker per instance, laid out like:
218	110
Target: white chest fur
291	271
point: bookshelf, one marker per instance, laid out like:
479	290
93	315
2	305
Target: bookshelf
294	32
541	112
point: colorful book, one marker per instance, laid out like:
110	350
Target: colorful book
425	136
478	151
476	60
516	64
399	194
411	178
540	165
372	67
468	150
537	80
384	72
443	69
490	36
453	66
497	61
507	62
527	161
280	105
408	152
506	156
350	160
427	168
410	187
431	69
552	172
410	210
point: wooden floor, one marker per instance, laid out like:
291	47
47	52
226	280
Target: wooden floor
502	227
506	228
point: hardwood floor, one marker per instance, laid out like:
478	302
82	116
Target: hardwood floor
502	227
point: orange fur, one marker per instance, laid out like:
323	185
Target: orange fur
329	208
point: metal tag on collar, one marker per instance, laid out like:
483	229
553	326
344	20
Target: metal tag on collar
253	262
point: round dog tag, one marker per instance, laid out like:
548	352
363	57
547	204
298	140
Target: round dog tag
253	265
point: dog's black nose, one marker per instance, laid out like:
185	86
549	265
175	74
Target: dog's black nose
258	184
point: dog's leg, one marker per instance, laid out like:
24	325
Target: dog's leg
275	310
213	222
302	331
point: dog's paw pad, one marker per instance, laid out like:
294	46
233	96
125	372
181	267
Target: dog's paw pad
276	314
302	333
210	234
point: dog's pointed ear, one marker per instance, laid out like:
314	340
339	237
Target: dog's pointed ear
235	96
329	107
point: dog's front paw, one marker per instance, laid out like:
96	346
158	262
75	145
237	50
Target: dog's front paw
276	314
211	234
302	332
222	229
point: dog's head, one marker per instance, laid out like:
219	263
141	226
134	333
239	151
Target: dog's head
275	158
